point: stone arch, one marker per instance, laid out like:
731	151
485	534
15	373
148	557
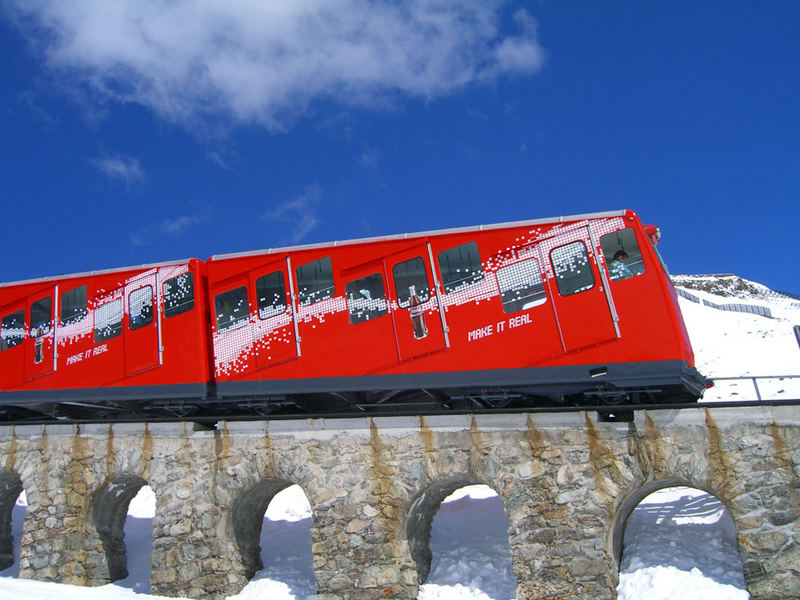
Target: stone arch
246	518
109	510
420	518
10	489
632	500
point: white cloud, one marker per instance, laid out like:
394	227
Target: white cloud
178	224
121	167
267	61
299	211
370	158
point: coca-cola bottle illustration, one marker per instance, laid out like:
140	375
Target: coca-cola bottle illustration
417	313
38	346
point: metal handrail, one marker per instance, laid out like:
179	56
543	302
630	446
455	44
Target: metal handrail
754	379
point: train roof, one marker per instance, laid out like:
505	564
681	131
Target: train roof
100	272
402	236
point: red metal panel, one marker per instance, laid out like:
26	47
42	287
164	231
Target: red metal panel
417	321
273	331
584	315
39	335
141	325
369	341
12	358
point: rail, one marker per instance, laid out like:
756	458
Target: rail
743	388
727	392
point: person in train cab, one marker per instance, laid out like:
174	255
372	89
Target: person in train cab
617	268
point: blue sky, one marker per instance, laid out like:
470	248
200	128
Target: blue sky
136	131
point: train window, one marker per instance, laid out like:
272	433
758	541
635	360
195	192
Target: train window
178	294
73	306
315	281
41	317
140	303
366	298
410	279
108	320
460	266
271	294
12	330
521	286
572	269
622	254
232	309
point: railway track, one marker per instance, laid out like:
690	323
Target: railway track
621	412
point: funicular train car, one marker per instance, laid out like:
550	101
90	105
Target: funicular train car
105	342
574	309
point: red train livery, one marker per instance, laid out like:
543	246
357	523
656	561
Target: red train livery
564	310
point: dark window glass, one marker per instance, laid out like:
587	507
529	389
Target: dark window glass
12	330
622	254
108	321
271	294
521	286
178	294
460	266
73	306
140	303
231	309
41	316
410	279
572	269
366	298
315	281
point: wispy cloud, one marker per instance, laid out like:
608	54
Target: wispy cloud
369	158
125	168
171	226
265	63
179	224
299	213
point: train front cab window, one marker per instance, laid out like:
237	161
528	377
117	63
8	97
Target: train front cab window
572	269
231	309
366	298
315	281
460	267
179	294
73	306
622	254
521	286
12	330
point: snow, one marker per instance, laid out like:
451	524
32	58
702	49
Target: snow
679	542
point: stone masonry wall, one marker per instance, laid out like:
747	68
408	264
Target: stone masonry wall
568	484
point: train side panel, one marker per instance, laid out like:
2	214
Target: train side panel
123	334
501	299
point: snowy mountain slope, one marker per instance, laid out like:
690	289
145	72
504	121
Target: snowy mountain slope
737	344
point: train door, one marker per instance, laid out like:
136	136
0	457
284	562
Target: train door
581	301
418	320
371	339
39	346
273	328
142	335
12	344
231	325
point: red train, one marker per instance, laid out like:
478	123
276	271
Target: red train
570	310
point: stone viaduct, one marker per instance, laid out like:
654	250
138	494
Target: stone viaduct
568	484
